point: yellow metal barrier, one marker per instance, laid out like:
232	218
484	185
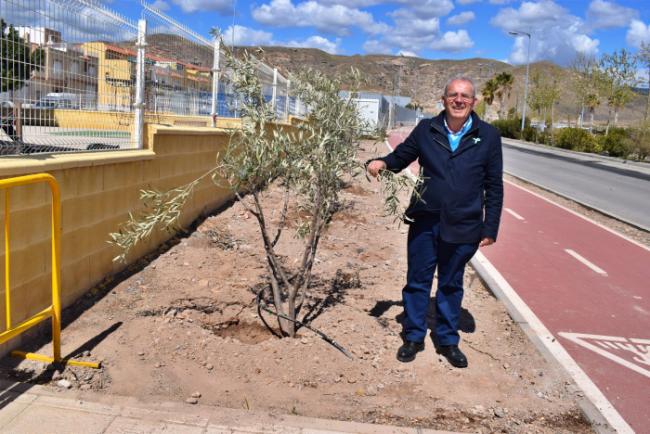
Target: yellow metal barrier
54	310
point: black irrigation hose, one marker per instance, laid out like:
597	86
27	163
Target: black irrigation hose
262	306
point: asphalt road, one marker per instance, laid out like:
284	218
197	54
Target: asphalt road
619	189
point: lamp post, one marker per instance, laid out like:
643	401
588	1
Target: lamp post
523	109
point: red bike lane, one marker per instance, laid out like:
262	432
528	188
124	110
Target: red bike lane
589	286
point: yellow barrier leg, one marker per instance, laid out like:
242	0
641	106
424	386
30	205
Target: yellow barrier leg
7	261
47	359
56	273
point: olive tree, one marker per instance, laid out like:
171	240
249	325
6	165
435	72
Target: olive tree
311	162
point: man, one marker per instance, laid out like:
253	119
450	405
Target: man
458	209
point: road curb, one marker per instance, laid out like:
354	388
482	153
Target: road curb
596	407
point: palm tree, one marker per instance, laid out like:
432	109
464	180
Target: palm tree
504	82
489	91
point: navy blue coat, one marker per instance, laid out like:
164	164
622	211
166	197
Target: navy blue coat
464	188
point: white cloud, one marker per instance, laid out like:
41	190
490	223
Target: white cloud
407	53
424	9
637	33
334	19
161	5
467	2
603	14
555	33
461	18
352	3
412	33
205	5
317	42
453	41
500	2
247	36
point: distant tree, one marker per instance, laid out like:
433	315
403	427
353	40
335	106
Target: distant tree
619	69
18	61
544	93
589	84
644	58
581	70
489	92
504	82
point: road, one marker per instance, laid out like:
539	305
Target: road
588	286
620	190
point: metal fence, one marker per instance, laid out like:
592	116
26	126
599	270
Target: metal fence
77	75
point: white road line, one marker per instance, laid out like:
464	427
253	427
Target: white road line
585	261
519	309
514	214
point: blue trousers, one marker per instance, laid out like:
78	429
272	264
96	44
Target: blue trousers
426	251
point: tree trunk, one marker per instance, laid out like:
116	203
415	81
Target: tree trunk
609	118
615	116
591	121
582	115
647	102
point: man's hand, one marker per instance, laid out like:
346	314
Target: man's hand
375	167
486	242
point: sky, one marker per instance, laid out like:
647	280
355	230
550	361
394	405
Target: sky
432	29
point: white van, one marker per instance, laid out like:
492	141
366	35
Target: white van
59	100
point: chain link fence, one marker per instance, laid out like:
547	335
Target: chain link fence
78	76
67	76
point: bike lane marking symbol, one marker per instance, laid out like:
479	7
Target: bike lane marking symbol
632	353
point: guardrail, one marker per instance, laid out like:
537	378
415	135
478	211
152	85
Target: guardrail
54	309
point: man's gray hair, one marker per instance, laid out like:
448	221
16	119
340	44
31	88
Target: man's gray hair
460	78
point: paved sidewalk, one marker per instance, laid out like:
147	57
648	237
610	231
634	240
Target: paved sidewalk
36	409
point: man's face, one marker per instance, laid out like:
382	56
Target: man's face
459	100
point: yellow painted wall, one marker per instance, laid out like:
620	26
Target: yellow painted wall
97	192
118	121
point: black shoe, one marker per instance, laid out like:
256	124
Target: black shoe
454	355
407	352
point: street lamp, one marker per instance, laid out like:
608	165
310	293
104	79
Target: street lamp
523	110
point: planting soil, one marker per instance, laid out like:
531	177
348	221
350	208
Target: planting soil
183	325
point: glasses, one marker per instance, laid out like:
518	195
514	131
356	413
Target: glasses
463	96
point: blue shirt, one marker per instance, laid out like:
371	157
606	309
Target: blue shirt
454	138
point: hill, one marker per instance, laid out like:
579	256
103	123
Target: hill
421	79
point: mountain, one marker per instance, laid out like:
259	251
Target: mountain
421	79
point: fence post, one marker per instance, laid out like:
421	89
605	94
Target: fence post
286	102
139	85
275	89
215	81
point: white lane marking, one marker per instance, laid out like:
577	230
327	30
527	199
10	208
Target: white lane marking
514	214
588	263
519	309
636	349
626	238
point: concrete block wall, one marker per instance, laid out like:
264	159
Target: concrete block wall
98	190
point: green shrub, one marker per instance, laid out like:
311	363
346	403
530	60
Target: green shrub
511	128
617	143
640	141
576	139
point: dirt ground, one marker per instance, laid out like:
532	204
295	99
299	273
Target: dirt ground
184	322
